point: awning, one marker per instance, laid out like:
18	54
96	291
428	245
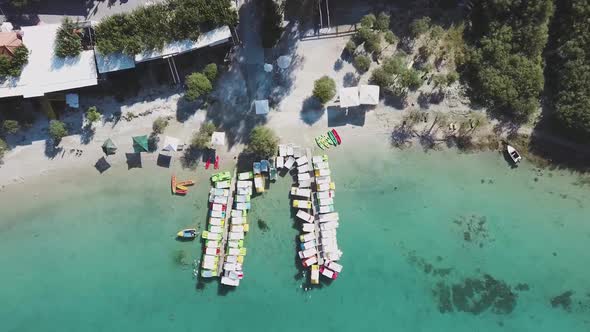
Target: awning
218	138
170	143
261	106
73	100
109	147
369	94
349	97
140	144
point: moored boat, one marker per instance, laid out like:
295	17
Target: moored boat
173	184
189	233
315	274
337	136
514	155
332	138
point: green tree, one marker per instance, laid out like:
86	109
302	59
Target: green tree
210	71
263	142
368	21
410	78
57	130
10	126
382	22
197	85
373	43
419	26
350	47
159	125
362	63
12	67
3	148
68	42
390	37
324	89
452	77
382	78
202	138
92	115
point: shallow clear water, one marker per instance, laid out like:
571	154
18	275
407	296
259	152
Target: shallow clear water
419	232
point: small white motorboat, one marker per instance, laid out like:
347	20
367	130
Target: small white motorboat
514	155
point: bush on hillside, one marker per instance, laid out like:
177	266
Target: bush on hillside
10	126
419	26
324	89
68	42
263	142
197	85
159	125
12	67
202	138
362	63
92	114
368	21
390	37
3	148
350	47
382	22
210	71
57	130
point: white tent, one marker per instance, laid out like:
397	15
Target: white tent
218	138
284	61
261	106
369	94
170	143
349	97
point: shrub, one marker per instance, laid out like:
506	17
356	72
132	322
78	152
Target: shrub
410	79
159	125
3	148
324	89
67	42
263	142
197	85
362	63
373	43
381	78
57	130
363	34
350	47
10	126
368	21
92	114
390	37
13	66
382	22
202	138
452	77
419	26
210	71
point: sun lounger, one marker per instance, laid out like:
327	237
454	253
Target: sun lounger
307	237
280	162
282	150
301	161
289	163
304	216
300	192
222	184
307	227
329	217
333	266
309	261
307	253
303	169
236	235
304	183
303	177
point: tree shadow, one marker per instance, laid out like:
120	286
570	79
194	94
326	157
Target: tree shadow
87	134
51	148
338	65
191	157
311	111
350	80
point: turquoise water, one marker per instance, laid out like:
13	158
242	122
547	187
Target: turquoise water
418	231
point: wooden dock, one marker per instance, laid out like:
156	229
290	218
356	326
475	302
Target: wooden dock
314	210
228	209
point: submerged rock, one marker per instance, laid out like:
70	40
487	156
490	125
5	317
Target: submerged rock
478	295
564	300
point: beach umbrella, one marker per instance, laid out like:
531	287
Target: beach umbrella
267	67
218	138
164	160
284	61
102	165
170	143
140	144
133	160
109	147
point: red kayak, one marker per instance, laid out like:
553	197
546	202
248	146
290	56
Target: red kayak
208	163
216	162
337	136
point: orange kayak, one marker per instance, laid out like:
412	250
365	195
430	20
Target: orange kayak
185	183
173	184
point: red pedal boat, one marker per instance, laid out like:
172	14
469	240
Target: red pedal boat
216	166
208	163
337	136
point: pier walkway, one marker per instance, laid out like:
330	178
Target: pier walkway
228	209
